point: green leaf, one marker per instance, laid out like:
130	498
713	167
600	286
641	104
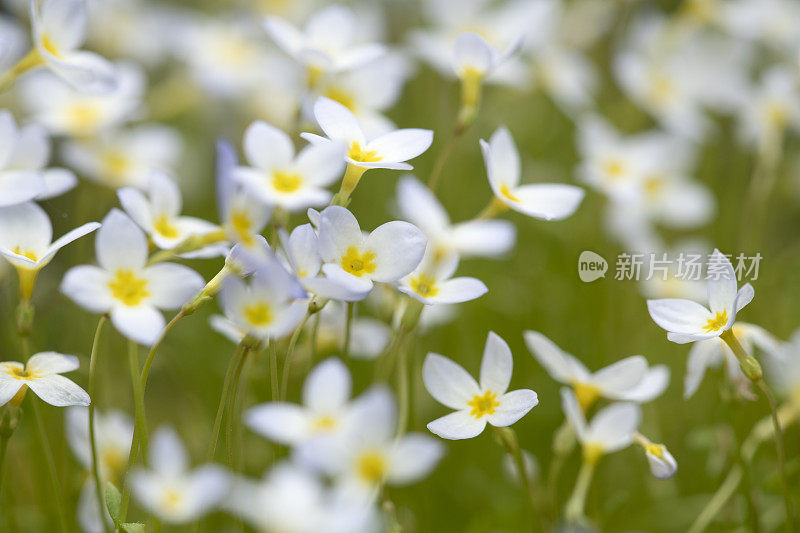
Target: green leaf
132	527
113	501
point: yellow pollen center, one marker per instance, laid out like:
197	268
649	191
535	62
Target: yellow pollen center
49	45
653	185
483	404
25	253
592	452
424	285
116	164
258	314
662	89
655	449
360	154
83	116
342	96
358	263
128	288
614	168
324	423
718	322
286	181
19	373
172	499
242	225
372	467
505	192
165	227
586	393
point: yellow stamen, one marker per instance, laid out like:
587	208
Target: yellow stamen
372	466
483	404
128	288
586	393
172	499
286	181
49	45
83	117
655	449
360	154
358	263
424	285
325	423
653	185
342	96
116	164
165	227
592	452
243	226
25	253
258	314
506	192
718	322
614	168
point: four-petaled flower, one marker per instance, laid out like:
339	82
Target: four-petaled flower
41	374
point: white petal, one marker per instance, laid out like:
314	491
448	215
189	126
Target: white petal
67	238
513	406
573	412
412	458
401	145
654	383
458	425
744	296
165	196
338	122
85	71
338	231
399	247
483	238
502	159
328	386
471	52
448	382
339	285
59	391
663	467
166	454
373	414
613	426
420	206
57	181
281	422
52	363
32	150
207	486
87	286
458	290
17	186
617	378
142	324
497	364
9	387
266	147
683	338
302	248
136	205
679	316
557	362
702	356
721	283
548	201
321	164
25	226
120	244
172	285
64	21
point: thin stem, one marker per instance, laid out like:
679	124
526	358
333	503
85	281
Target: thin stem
3	449
273	369
212	445
92	433
493	208
287	362
314	337
348	330
152	354
577	502
510	441
230	418
402	390
47	451
349	182
138	427
442	158
718	501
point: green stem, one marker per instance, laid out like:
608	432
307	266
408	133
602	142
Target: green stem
314	337
348	331
510	441
402	390
92	433
717	502
273	369
212	445
3	449
349	182
47	451
139	427
231	417
287	362
577	502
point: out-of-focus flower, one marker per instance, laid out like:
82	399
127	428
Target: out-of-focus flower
476	404
688	321
784	369
473	238
41	374
474	60
124	286
548	201
65	111
662	464
368	336
169	489
26	241
24	155
280	178
611	428
389	150
627	379
388	253
59	29
771	22
432	282
772	108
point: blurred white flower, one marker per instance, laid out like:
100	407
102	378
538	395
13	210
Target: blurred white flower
772	108
784	368
627	379
662	464
389	150
368	336
770	22
548	201
688	321
432	282
169	489
124	286
41	374
476	404
474	59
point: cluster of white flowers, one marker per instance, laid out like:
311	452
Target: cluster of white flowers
294	262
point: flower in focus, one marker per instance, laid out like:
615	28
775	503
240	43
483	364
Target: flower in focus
628	379
611	428
390	150
169	489
688	321
41	374
26	241
59	29
124	286
388	253
548	201
476	403
280	178
432	283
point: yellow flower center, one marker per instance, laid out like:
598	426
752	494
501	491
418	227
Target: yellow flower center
360	154
424	285
25	253
324	423
372	467
342	96
115	164
242	225
49	45
172	499
165	227
614	168
83	117
662	90
586	393
592	452
718	322
505	191
653	185
776	115
286	181
483	404
655	449
19	373
358	263
128	288
114	461
258	314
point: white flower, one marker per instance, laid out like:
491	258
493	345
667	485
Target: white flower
784	368
269	306
325	397
548	201
158	214
688	321
712	353
278	177
23	156
627	379
124	157
662	464
169	489
432	283
611	429
227	328
368	336
473	238
65	111
771	22
474	59
367	455
772	107
59	29
41	375
124	286
327	43
389	150
476	404
388	253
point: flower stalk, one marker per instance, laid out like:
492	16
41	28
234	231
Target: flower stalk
92	433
